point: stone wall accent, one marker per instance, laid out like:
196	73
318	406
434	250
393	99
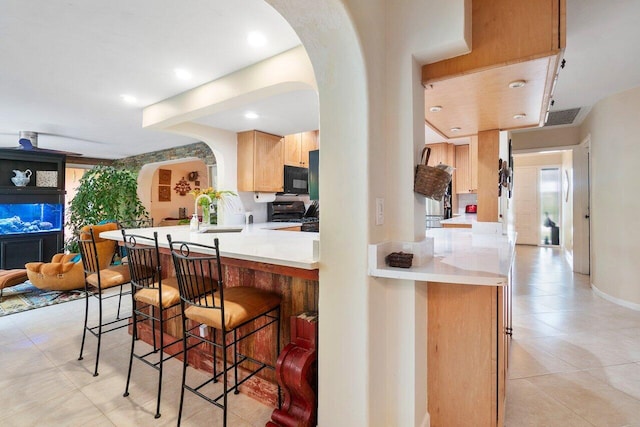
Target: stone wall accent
198	149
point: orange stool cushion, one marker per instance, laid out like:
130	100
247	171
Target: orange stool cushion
170	294
110	277
241	303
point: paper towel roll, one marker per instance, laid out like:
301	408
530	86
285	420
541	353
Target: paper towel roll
264	197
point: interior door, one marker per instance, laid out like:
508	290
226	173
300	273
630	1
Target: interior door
525	200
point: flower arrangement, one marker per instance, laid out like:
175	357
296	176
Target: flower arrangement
212	193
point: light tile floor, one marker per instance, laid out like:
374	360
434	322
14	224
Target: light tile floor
43	384
575	357
575	361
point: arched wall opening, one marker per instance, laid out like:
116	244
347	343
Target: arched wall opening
160	199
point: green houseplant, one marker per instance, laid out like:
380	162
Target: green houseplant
105	194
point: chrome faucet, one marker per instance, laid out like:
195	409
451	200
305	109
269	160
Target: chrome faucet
195	206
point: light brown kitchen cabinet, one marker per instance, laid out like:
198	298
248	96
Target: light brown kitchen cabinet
260	162
467	354
466	173
297	147
441	153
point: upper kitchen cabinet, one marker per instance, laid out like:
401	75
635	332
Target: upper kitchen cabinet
466	173
506	81
297	147
260	162
441	152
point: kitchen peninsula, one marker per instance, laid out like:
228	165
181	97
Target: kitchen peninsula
468	320
260	255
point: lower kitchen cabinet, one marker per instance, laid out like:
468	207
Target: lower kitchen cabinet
467	348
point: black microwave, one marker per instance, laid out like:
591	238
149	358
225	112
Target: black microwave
296	180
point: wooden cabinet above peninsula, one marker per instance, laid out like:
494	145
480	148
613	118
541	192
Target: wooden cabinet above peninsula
511	41
260	162
297	147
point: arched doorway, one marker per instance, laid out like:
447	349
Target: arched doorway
162	201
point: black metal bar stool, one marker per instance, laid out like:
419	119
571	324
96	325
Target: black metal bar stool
99	275
151	295
205	300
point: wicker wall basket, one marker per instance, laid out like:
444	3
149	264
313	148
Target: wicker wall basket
431	182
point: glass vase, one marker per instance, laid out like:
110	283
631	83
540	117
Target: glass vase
214	213
206	214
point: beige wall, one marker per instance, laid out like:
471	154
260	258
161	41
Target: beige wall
614	129
160	210
553	137
544	159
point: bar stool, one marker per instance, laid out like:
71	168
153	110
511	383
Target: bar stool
99	275
151	295
205	300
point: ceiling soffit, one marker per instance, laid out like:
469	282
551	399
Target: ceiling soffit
483	100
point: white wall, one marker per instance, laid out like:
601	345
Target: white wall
540	138
567	203
372	369
372	344
613	128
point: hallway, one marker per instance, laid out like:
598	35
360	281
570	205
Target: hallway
575	357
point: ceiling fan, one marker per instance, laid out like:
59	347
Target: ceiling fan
28	141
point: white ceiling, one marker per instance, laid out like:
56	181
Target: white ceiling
65	63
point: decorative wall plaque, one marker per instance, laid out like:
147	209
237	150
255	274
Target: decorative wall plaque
164	193
164	176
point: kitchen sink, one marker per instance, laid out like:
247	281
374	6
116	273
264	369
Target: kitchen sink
221	230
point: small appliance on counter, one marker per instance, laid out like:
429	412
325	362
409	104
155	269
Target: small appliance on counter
285	211
471	209
311	219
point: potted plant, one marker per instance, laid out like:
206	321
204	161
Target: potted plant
209	206
105	194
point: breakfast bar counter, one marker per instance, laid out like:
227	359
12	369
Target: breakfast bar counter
258	255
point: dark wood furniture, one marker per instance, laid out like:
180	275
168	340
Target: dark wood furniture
16	249
297	372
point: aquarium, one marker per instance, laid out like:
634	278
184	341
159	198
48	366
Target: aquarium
30	218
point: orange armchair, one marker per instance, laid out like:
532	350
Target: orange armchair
106	248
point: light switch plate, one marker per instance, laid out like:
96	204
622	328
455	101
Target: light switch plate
379	211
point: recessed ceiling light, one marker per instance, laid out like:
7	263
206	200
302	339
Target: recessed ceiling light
519	116
251	115
455	129
129	99
182	74
435	108
256	39
517	83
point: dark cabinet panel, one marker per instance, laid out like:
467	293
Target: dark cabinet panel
16	251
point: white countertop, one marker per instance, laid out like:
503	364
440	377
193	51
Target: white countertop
461	219
256	242
460	256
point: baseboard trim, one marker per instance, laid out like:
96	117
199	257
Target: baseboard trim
568	256
426	421
618	301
